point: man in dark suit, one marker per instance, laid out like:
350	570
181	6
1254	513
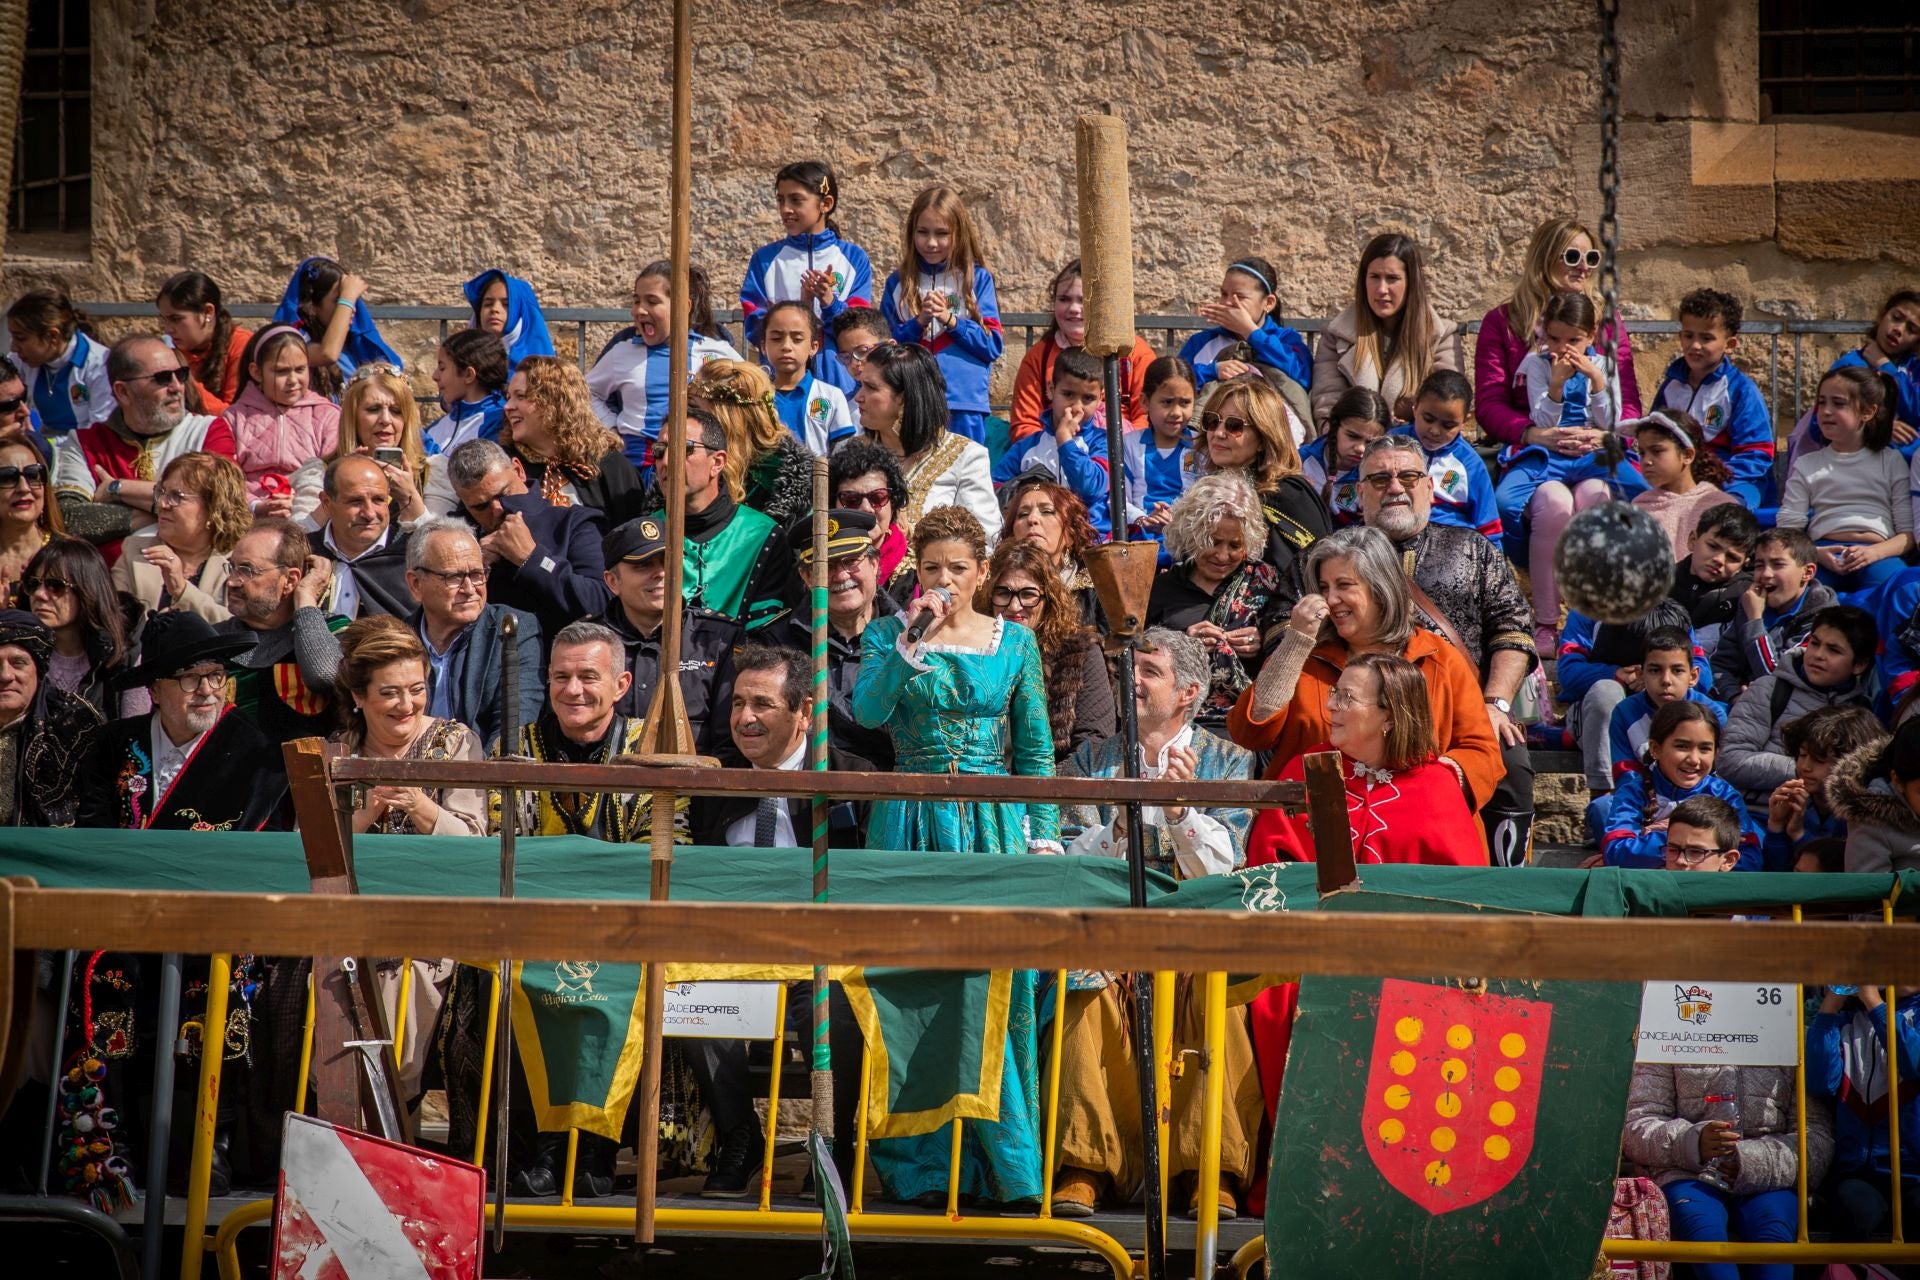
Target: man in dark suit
369	555
771	711
541	559
447	590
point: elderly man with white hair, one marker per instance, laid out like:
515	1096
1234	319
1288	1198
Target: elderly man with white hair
1100	1141
462	629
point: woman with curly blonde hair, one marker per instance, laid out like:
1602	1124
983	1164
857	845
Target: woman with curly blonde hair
1244	428
765	459
1217	590
571	458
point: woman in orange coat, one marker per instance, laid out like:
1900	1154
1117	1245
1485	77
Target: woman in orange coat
1360	603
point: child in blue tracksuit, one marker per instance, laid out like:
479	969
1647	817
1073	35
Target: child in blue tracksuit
814	410
471	375
1245	313
1598	667
1559	467
1331	462
317	291
1681	745
1798	813
1156	455
507	307
1704	385
942	298
1667	674
1071	444
812	264
1462	489
64	370
630	380
1847	1064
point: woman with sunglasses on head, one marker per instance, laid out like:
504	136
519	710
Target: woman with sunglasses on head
903	407
864	476
66	586
28	514
1562	257
1022	587
200	506
1244	427
380	418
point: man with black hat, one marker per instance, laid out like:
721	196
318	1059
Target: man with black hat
45	732
636	573
195	762
853	600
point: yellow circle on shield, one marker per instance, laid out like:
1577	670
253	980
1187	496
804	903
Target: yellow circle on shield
1441	1139
1447	1104
1501	1113
1398	1096
1401	1063
1453	1071
1438	1174
1392	1130
1459	1036
1513	1044
1408	1029
1506	1079
1497	1147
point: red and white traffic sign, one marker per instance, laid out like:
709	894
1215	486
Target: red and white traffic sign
355	1207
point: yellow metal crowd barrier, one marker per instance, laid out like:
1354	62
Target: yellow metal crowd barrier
764	1219
1803	1249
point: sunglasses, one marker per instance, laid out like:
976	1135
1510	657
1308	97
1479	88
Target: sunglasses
34	473
854	500
1589	258
1212	422
1382	480
11	406
162	377
54	586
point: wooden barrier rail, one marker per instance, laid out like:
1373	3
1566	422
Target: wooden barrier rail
966	938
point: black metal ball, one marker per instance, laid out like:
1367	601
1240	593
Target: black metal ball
1614	563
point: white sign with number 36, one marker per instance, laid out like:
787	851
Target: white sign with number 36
1733	1024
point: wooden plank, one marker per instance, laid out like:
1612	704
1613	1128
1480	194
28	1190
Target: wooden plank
971	937
1332	830
848	785
335	1073
10	1000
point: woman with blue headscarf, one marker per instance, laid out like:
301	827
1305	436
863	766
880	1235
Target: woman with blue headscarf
507	306
326	302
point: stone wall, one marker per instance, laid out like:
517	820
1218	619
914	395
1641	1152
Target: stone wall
422	139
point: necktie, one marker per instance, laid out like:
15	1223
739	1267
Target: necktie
763	819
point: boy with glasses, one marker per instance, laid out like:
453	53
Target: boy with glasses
855	333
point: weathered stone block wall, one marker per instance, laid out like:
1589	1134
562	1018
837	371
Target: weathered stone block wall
419	141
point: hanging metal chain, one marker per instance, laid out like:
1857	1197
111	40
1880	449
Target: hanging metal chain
1611	324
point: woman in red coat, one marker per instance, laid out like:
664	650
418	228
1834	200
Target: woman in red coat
1403	805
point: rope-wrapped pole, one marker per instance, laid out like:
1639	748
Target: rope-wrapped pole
822	1078
13	54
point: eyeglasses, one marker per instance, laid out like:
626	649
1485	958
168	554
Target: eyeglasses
1340	698
1383	480
859	354
207	680
1025	597
33	473
1575	257
164	498
1212	422
11	406
243	571
54	586
455	577
162	377
1692	855
854	500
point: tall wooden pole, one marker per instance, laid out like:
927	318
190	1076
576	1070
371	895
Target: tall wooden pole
666	731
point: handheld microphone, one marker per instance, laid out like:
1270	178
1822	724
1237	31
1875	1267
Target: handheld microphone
918	630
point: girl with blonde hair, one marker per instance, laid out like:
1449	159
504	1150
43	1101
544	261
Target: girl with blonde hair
941	290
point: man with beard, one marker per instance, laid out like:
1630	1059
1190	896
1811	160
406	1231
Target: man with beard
284	678
581	725
104	474
195	762
369	555
853	600
635	554
1463	589
45	732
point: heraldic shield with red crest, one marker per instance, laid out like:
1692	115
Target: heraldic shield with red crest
1452	1091
1448	1126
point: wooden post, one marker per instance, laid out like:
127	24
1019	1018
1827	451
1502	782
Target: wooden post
6	987
336	1073
1327	818
666	729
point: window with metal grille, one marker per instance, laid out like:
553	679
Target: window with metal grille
1825	57
53	144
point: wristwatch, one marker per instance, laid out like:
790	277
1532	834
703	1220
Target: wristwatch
1503	705
113	491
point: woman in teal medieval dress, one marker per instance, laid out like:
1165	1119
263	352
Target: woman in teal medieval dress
968	698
